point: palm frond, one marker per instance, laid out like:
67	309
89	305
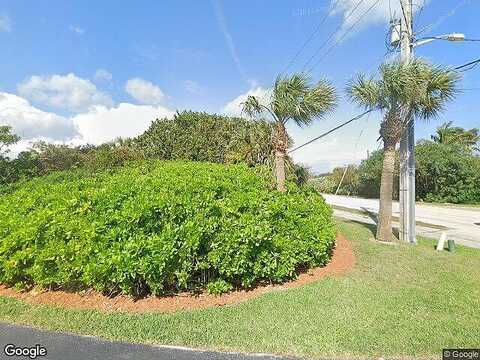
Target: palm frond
365	91
296	98
252	106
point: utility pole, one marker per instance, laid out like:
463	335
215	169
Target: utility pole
407	143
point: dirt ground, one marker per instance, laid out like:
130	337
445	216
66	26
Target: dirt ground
343	259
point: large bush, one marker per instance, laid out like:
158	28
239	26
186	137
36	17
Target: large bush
447	173
157	227
200	136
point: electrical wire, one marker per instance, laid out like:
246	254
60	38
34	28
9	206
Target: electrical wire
405	15
332	35
338	41
331	130
442	18
468	66
323	44
310	38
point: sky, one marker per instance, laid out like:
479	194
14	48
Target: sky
89	71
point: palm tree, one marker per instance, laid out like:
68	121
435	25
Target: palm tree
404	92
448	134
292	98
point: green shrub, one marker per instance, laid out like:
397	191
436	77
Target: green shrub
199	136
447	173
159	227
219	287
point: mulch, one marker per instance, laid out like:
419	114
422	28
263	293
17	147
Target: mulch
342	260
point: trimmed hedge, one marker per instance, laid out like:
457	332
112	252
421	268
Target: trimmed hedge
160	227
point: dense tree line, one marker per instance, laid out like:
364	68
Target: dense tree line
447	170
195	136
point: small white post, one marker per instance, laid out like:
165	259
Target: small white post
441	241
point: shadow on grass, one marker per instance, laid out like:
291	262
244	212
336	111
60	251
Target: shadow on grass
373	227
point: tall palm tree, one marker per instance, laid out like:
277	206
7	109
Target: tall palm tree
292	98
404	92
448	134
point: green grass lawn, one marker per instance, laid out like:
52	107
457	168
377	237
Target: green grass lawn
399	301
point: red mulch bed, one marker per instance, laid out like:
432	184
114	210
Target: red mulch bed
342	260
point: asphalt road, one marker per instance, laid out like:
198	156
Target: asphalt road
459	221
61	346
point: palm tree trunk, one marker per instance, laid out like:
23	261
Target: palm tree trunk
384	228
280	153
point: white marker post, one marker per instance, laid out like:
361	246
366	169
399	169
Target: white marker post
441	241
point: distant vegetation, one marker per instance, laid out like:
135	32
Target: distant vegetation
189	135
160	227
447	170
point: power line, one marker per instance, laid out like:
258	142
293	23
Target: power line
310	38
338	41
405	16
442	18
313	35
332	130
468	66
332	34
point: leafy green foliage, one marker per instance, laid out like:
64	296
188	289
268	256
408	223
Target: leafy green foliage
370	173
448	134
447	173
328	183
204	137
369	312
295	98
159	227
188	136
444	173
219	287
404	91
6	138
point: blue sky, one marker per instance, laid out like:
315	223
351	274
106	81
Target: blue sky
87	71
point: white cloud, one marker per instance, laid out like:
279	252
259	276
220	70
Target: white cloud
234	107
30	123
64	91
102	75
76	29
5	23
144	91
193	87
102	124
352	10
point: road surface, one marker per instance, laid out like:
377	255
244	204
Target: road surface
61	346
459	221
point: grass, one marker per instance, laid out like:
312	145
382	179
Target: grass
399	301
